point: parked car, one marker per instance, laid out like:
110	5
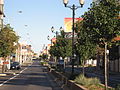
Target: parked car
52	63
15	65
60	64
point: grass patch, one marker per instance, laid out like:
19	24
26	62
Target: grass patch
118	87
90	83
82	80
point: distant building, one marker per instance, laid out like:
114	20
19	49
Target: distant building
23	53
114	57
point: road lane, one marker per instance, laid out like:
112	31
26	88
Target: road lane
33	78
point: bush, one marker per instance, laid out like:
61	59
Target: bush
118	87
43	63
94	81
82	80
91	83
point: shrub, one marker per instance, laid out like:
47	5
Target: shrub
91	83
43	63
94	81
118	87
82	80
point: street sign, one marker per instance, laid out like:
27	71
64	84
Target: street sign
5	62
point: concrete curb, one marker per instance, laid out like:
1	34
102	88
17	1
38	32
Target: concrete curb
3	74
67	84
7	74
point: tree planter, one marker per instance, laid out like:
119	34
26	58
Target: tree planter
69	83
73	86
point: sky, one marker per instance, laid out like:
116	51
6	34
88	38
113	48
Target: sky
34	24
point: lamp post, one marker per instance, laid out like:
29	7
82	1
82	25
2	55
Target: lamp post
56	32
48	37
73	8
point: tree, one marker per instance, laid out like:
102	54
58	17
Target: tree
8	38
101	24
54	51
44	56
62	47
84	46
101	21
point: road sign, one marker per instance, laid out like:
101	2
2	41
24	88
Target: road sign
5	62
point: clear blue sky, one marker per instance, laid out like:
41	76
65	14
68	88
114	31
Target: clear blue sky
39	16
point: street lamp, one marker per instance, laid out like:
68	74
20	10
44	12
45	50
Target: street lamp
56	32
48	37
73	8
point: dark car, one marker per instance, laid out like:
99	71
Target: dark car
60	64
15	65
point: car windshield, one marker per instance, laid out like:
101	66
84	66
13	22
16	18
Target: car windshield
61	61
15	63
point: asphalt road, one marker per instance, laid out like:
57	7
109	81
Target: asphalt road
33	77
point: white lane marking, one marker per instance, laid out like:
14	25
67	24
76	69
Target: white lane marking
12	77
22	70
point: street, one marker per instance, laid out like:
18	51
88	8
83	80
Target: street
33	77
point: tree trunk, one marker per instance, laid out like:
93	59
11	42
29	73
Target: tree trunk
98	62
78	61
105	67
83	71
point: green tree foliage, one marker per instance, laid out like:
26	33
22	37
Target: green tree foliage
100	24
62	47
44	56
54	51
8	38
101	21
85	47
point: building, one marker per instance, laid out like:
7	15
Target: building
114	62
23	53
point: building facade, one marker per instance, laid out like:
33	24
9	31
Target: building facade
23	53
